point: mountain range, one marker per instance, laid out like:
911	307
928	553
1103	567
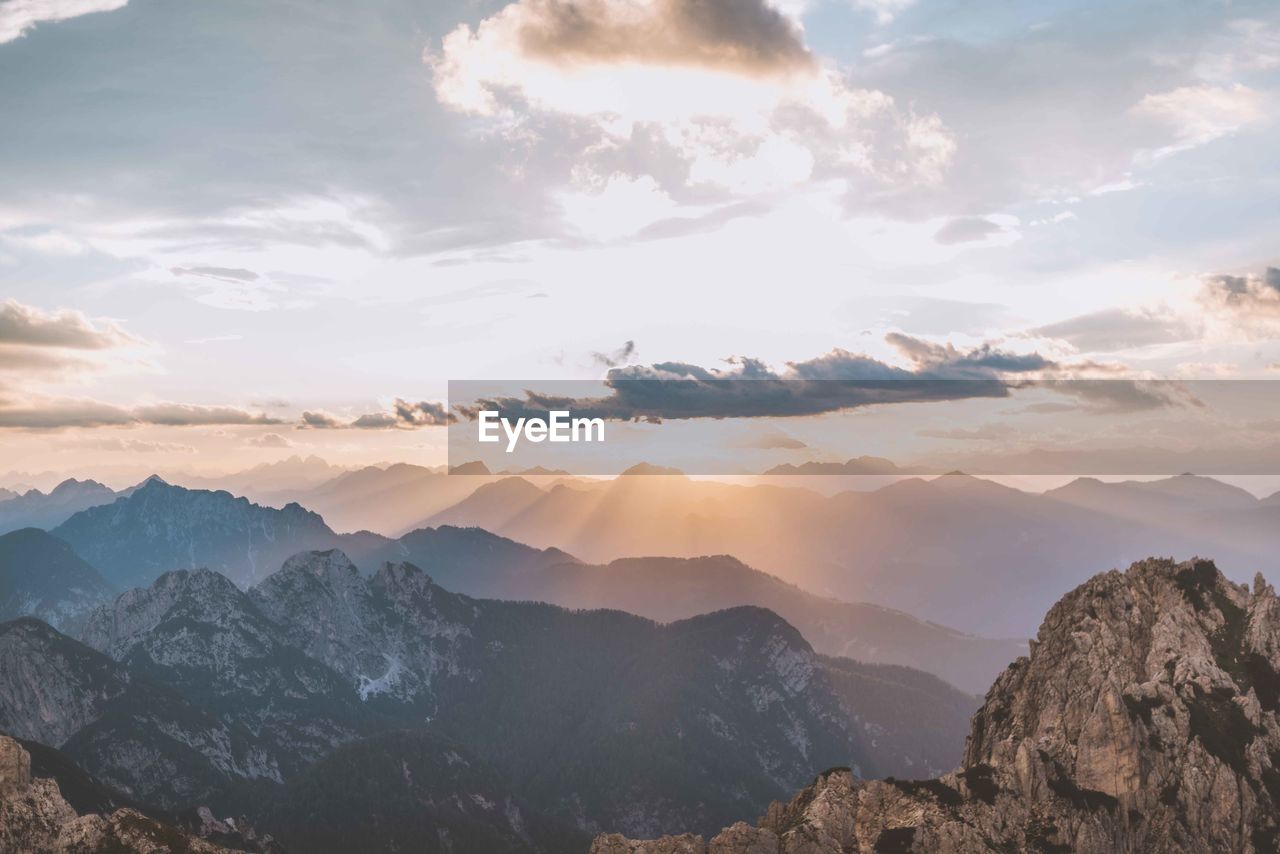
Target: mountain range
195	690
36	509
161	527
958	550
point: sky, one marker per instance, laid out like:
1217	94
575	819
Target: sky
231	232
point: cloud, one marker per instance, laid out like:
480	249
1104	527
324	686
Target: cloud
833	382
405	415
884	10
618	357
53	414
28	326
838	381
1119	396
319	420
226	274
422	414
1250	295
1202	113
724	102
18	17
967	230
980	363
231	287
1115	329
270	440
745	36
185	414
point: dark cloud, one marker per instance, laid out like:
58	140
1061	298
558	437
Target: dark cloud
30	327
618	357
1119	329
739	35
422	414
834	382
1249	295
967	230
375	421
978	363
319	421
405	415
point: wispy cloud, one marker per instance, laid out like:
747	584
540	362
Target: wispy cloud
18	17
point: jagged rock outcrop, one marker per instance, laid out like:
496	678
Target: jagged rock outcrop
35	819
1144	719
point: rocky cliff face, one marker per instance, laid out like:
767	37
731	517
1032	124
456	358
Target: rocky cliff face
35	819
1145	719
137	735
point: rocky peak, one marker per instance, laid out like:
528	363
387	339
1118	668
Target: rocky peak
34	817
15	766
400	580
331	567
116	627
1144	719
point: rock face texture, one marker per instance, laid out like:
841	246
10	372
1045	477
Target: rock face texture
35	819
1145	719
139	736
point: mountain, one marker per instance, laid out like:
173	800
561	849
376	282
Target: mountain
197	632
35	509
1157	501
542	693
408	791
468	560
956	550
319	657
911	716
388	500
1146	718
41	576
35	817
160	527
667	589
856	466
261	482
132	733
